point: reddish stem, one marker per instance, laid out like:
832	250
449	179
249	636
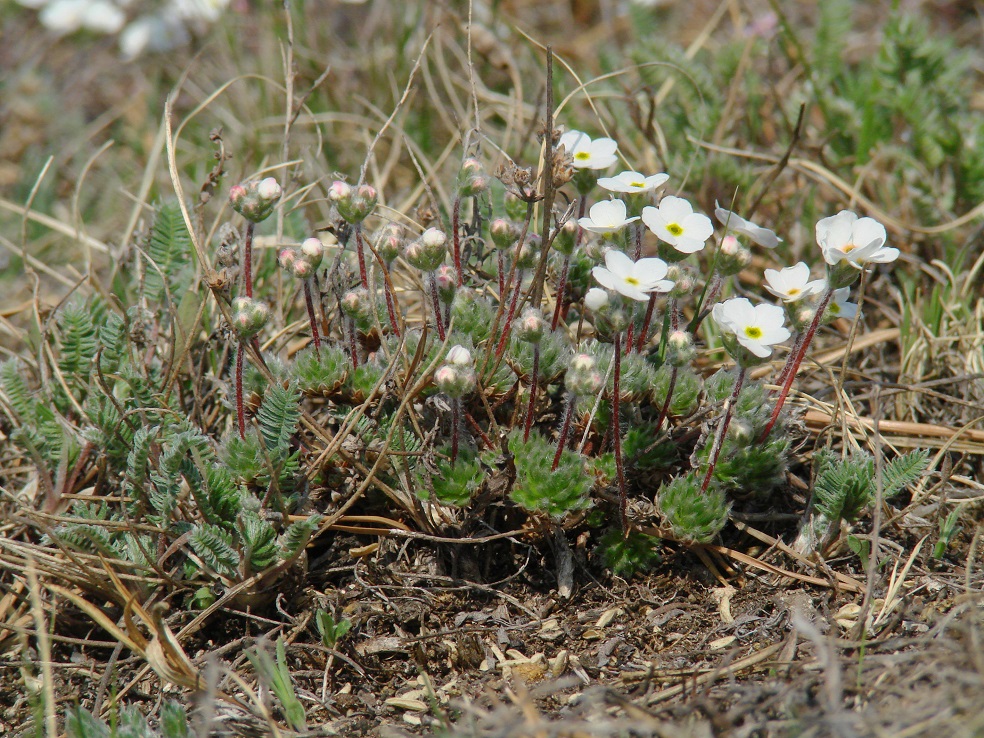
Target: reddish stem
513	302
628	338
502	268
565	429
248	259
722	429
638	241
309	301
644	333
623	499
561	292
664	411
529	408
478	430
437	307
455	422
353	350
240	411
789	359
797	360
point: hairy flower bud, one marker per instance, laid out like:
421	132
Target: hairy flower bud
582	376
680	349
504	233
529	252
354	203
459	356
428	251
286	259
389	242
472	179
732	256
446	279
255	200
313	251
531	326
515	208
566	237
597	300
248	316
357	304
455	381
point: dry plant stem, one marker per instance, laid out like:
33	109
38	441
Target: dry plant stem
582	207
248	259
436	300
623	500
565	429
533	384
353	350
390	305
309	302
362	257
712	293
456	237
797	360
722	429
240	411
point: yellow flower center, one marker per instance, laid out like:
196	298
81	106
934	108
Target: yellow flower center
849	248
834	308
632	280
675	229
582	155
753	332
640	185
793	291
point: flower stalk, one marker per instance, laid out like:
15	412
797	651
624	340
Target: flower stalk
722	429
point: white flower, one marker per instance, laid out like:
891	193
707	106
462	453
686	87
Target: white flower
68	16
839	307
793	283
675	222
757	327
634	279
858	241
588	154
596	299
606	216
736	224
633	182
459	356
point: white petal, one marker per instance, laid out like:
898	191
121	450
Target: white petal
753	345
867	231
605	278
650	269
618	263
884	255
835	231
674	209
697	226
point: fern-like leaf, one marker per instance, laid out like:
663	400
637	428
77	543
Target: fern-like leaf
278	417
214	546
169	249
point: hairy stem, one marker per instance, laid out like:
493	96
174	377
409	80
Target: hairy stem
248	259
436	300
664	411
513	302
797	360
722	429
533	385
561	292
565	429
455	423
353	349
644	331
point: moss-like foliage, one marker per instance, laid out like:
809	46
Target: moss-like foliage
451	485
693	516
540	489
626	556
324	374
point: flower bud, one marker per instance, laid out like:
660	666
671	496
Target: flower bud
286	259
354	203
531	326
741	433
459	356
504	233
566	237
248	316
680	349
597	300
356	304
255	200
515	208
684	280
732	256
428	251
313	251
529	252
389	242
302	268
446	279
455	381
472	178
582	377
